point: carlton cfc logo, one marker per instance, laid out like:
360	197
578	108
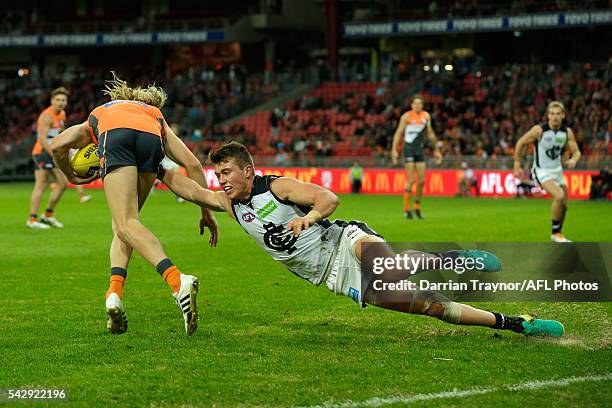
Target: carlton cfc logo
248	217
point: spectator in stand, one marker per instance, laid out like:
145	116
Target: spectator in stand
479	111
601	186
281	158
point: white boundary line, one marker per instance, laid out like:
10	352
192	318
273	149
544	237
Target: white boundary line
530	385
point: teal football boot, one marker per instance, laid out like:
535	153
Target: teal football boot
538	327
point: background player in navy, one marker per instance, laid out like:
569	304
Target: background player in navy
550	139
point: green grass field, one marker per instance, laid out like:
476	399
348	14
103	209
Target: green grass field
267	338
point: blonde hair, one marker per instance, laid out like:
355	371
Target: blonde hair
60	91
118	89
555	104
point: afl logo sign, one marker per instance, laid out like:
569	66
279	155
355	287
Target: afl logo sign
248	217
327	178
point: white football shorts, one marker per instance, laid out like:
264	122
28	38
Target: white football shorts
345	275
542	175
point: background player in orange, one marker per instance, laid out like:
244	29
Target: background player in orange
132	136
50	123
412	126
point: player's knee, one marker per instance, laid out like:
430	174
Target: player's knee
558	196
40	185
124	229
449	312
435	309
122	232
437	305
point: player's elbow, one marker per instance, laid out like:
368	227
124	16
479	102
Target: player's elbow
56	146
334	201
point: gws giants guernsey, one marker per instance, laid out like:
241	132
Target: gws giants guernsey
265	217
549	148
416	124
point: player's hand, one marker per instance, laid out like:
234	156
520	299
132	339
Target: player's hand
76	180
297	225
570	164
437	157
209	221
518	170
394	157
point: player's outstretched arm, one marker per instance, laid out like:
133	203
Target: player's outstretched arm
75	137
531	136
322	201
192	191
574	150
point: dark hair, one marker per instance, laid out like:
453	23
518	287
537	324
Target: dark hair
417	96
60	91
231	150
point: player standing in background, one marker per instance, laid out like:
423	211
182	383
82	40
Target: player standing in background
412	126
288	220
49	124
550	140
132	136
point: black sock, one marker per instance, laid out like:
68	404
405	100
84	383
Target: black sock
163	265
556	227
514	323
119	271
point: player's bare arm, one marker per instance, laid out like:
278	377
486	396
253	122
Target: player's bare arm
532	136
192	191
322	201
42	130
179	153
431	135
572	145
75	137
397	137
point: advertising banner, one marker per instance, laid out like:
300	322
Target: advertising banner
444	183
